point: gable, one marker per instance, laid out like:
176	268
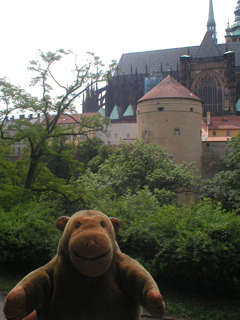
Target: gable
208	48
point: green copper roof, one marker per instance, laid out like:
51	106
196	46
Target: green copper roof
102	112
238	105
129	111
115	113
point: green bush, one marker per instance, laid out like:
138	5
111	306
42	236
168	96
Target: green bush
10	196
28	237
195	247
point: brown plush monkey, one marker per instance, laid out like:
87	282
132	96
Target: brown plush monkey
89	278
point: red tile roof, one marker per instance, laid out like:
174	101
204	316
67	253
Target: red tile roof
74	117
226	122
169	88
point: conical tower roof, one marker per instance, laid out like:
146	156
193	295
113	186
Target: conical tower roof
169	88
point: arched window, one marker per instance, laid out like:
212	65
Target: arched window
209	89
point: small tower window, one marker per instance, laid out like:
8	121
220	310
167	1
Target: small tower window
146	134
161	109
177	131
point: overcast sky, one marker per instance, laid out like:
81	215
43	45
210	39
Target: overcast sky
107	28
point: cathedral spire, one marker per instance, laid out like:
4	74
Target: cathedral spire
211	25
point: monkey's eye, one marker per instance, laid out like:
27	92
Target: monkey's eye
78	224
102	224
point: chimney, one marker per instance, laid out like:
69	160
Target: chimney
208	118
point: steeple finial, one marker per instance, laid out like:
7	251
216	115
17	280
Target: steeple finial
211	25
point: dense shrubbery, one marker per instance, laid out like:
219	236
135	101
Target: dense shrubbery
28	236
195	247
132	167
225	185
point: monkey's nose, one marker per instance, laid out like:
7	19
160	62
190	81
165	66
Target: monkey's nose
91	243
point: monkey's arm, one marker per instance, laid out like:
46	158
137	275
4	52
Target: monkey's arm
29	294
140	285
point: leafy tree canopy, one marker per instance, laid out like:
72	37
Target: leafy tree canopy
37	135
225	185
131	167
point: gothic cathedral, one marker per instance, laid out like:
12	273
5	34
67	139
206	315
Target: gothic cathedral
211	71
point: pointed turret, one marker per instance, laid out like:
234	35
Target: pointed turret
211	24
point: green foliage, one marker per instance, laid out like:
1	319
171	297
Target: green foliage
36	135
103	153
196	248
60	159
88	149
10	196
11	172
225	185
131	167
28	236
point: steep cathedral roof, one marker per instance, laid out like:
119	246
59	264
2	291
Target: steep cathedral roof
169	88
208	47
167	59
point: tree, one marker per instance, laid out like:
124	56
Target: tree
225	185
132	167
37	136
88	149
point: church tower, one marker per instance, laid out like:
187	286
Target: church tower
233	32
211	24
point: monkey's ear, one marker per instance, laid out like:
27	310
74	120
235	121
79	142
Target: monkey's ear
61	222
116	224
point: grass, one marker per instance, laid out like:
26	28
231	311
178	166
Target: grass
8	281
195	307
179	305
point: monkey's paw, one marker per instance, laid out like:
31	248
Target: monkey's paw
155	304
15	304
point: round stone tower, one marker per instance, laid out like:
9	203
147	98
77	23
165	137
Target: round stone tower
171	116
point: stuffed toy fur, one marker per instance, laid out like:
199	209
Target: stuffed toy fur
89	278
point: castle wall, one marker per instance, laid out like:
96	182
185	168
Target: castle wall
212	153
